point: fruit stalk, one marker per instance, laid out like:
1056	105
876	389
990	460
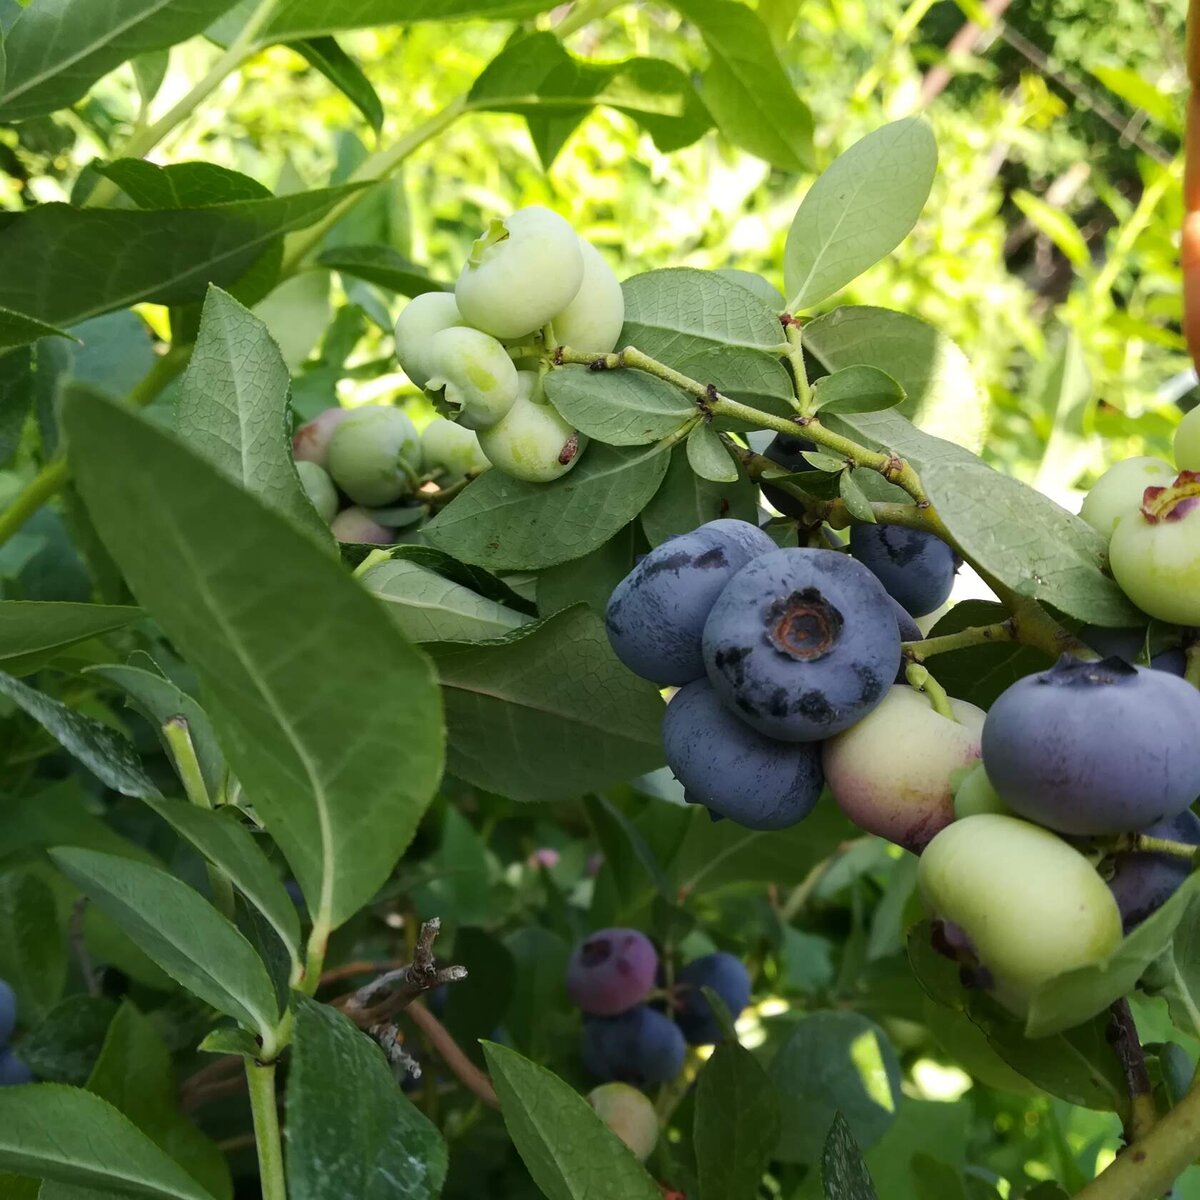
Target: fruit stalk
1156	845
964	639
921	680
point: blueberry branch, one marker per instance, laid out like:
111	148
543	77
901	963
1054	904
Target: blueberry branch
964	639
791	328
1122	1033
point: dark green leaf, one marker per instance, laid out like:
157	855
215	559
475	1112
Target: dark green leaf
380	265
33	947
503	523
149	71
351	1130
622	408
843	1171
854	498
590	580
862	207
548	712
569	1152
708	457
57	49
70	1136
16	399
476	1006
107	754
65	1046
181	185
181	932
345	74
539	987
857	389
32	632
339	772
736	1124
16	329
685	501
746	86
465	575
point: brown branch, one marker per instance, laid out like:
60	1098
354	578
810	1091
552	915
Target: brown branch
1123	1035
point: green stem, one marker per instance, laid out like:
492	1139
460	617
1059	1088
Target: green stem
975	635
582	14
1192	670
260	1078
1157	845
144	140
373	169
795	356
919	678
314	960
183	751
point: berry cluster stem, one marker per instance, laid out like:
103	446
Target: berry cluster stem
261	1080
964	639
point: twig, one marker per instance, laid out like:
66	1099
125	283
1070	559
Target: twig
79	946
975	635
1122	1033
380	1000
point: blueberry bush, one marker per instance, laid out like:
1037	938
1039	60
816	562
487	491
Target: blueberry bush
574	767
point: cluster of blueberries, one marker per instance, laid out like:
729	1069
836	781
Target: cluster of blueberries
636	1029
12	1069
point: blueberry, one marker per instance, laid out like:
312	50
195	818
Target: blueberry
12	1070
642	1046
1174	662
915	567
910	631
732	769
628	1113
1095	747
728	977
611	971
1143	883
787	450
656	614
802	644
1114	643
8	1012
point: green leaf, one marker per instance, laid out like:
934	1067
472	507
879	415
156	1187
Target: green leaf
746	86
56	49
736	1124
201	950
834	1062
548	712
1056	225
65	1046
538	986
32	632
857	389
622	408
149	71
475	1006
345	74
941	393
465	575
843	1172
338	771
1061	395
134	1073
383	266
707	456
181	185
160	701
233	409
590	580
1138	92
861	208
70	1136
351	1130
503	523
430	608
16	400
569	1152
33	947
16	329
686	501
855	499
107	754
226	842
64	264
755	284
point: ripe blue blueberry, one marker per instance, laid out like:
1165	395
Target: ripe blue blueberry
642	1046
910	631
656	614
8	1012
1095	747
1143	883
611	971
802	644
915	567
728	977
12	1070
1174	661
732	769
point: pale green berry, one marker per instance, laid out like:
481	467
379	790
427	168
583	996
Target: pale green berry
318	487
448	448
1118	492
357	525
1187	442
629	1114
522	272
975	794
593	320
478	377
532	442
375	456
421	318
310	443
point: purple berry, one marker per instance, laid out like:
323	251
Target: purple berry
728	977
916	568
1143	883
642	1046
12	1070
611	971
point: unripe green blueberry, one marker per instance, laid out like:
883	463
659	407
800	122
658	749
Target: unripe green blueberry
479	378
532	442
318	487
1118	492
521	273
593	320
1029	905
448	448
357	525
310	443
629	1114
375	455
1187	442
1155	553
975	794
421	318
890	773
